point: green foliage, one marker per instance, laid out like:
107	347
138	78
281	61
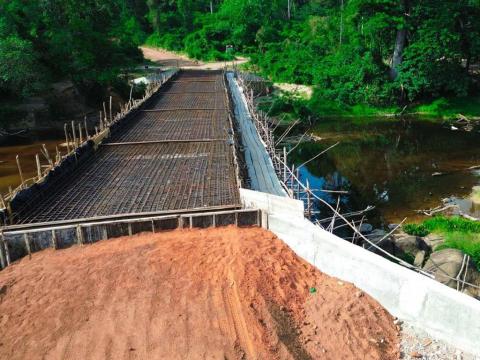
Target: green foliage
87	41
467	242
20	70
460	233
416	229
344	49
445	225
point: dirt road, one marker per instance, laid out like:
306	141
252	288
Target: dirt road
170	58
223	293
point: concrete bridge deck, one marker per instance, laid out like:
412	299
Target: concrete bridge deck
173	155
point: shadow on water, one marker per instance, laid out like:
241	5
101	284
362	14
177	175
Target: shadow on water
396	165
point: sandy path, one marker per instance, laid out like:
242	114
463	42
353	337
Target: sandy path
194	294
170	58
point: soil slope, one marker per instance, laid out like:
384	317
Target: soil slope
223	293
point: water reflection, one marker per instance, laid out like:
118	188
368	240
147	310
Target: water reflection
398	166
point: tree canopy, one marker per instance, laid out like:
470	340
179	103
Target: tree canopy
376	52
353	51
87	41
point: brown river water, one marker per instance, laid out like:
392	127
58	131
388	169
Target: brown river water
25	148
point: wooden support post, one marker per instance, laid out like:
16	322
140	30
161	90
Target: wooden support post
298	182
39	168
4	244
58	155
3	260
96	130
3	202
20	170
47	155
309	201
104	112
80	136
100	122
27	244
66	138
80	235
54	240
131	91
293	182
86	128
74	136
110	109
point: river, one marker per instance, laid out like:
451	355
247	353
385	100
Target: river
398	166
26	148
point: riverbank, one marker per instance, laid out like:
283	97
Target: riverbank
299	102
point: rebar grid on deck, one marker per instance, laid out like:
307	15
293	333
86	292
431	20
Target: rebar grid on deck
192	125
141	179
189	101
194	86
157	173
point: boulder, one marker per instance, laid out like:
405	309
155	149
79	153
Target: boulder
434	240
376	237
446	264
409	244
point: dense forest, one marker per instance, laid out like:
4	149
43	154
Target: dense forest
378	52
89	42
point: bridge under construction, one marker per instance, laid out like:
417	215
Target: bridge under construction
173	154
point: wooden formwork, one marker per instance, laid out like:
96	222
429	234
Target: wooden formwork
20	241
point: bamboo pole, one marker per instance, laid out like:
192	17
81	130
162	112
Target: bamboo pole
19	170
3	203
80	136
7	251
66	138
285	164
104	112
58	155
54	239
309	204
100	123
74	135
3	262
27	244
47	155
110	108
86	128
39	168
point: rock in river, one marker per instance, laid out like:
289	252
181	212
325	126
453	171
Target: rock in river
446	265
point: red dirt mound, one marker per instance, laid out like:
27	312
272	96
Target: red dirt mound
223	293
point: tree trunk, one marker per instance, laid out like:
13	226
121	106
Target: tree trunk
398	52
400	41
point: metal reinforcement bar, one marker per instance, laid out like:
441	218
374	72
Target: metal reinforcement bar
182	125
15	244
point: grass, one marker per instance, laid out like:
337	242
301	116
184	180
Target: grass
437	110
450	108
459	233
